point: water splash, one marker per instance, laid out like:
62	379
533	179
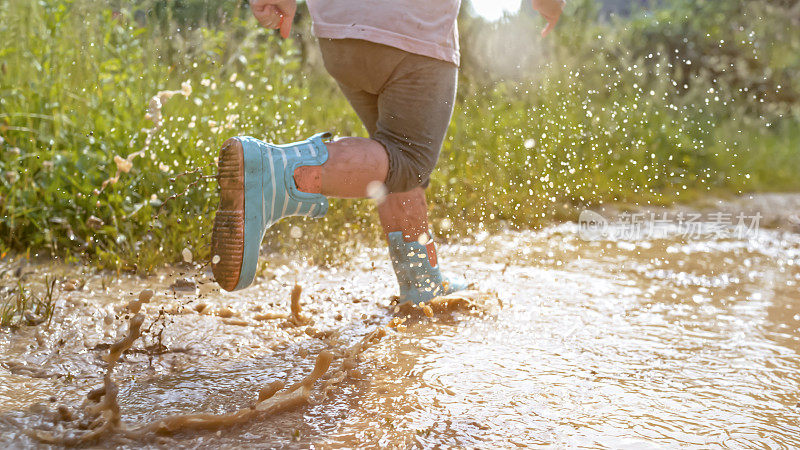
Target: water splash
124	165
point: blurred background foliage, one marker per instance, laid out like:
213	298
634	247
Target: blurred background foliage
640	102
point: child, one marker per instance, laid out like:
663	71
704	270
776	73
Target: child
396	61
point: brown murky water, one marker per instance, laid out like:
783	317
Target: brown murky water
653	343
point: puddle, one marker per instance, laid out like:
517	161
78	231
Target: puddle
659	342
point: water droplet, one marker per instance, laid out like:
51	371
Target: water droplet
446	224
295	232
376	191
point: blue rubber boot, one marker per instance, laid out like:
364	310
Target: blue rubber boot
418	280
257	189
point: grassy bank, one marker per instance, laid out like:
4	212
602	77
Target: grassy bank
621	110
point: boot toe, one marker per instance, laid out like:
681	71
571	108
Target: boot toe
453	283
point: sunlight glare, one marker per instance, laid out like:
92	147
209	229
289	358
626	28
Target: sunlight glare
494	9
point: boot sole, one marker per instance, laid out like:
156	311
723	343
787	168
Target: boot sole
227	237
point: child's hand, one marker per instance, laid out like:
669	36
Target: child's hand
550	10
275	14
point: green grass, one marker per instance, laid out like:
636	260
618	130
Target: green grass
20	305
585	123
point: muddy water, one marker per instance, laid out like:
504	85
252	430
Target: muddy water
653	343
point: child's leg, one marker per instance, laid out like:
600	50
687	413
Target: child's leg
410	119
405	101
407	212
353	164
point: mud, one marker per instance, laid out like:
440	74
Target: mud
124	165
660	342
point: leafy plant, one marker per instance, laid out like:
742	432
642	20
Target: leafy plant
20	305
657	107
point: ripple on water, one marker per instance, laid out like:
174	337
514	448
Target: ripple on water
658	343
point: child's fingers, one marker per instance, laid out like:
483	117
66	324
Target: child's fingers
266	17
550	25
551	13
287	18
269	17
285	26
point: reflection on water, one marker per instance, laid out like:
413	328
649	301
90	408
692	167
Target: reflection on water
646	344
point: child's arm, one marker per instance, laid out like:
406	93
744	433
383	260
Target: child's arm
550	10
275	14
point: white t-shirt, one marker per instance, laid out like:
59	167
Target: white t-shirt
423	27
